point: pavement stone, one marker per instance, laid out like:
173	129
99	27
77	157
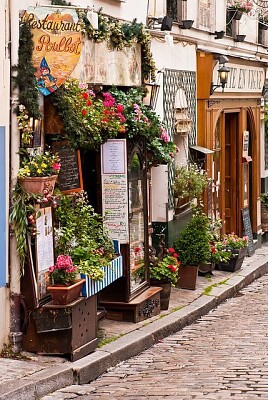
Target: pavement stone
35	376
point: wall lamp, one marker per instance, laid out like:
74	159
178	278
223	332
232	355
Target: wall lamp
164	24
151	94
223	75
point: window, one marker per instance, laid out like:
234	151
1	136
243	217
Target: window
231	24
176	9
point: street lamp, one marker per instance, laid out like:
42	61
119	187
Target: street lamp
223	75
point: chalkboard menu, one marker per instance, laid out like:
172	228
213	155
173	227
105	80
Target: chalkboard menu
248	230
70	176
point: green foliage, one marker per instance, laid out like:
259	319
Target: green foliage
189	182
80	233
234	242
25	79
264	198
192	244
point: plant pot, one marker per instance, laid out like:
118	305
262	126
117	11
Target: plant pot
187	277
165	292
263	24
204	269
264	217
37	184
235	13
63	295
235	262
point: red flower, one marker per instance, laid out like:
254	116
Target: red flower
89	102
85	95
213	250
105	120
137	249
84	112
172	268
120	108
171	250
175	255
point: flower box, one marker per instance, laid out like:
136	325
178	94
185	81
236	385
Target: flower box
235	262
112	271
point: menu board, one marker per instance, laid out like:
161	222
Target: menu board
70	176
44	247
115	189
248	230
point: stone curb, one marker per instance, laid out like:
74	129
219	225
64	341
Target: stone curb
95	364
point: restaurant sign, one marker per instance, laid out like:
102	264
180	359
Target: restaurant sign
242	78
57	45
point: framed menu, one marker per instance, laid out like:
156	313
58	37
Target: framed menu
44	248
115	189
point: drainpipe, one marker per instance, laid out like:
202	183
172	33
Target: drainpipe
15	336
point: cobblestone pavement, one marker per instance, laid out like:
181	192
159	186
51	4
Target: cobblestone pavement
222	356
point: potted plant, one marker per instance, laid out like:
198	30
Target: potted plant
193	248
189	183
65	287
81	234
39	171
237	246
264	212
238	7
163	271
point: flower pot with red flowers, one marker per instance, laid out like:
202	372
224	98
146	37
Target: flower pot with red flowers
66	286
164	273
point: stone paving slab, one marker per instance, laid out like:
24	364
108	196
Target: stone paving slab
37	375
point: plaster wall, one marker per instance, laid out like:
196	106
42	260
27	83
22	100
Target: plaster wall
4	173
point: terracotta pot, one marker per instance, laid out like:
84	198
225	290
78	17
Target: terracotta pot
187	277
165	292
63	295
37	185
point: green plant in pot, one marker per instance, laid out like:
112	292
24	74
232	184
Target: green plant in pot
189	182
80	233
193	248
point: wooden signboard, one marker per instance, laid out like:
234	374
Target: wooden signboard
248	230
70	176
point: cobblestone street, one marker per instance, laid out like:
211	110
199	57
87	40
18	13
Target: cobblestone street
221	356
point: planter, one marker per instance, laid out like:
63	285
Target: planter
235	262
264	217
187	277
112	272
165	292
235	13
37	184
63	295
204	269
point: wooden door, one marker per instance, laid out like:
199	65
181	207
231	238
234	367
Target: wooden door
230	172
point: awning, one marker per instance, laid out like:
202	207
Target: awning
201	149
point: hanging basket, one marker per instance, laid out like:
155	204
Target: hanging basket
37	185
235	13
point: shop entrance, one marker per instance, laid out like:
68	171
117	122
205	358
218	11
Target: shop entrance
230	161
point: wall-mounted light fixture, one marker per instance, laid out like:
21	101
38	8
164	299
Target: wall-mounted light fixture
164	24
186	24
240	38
223	74
152	91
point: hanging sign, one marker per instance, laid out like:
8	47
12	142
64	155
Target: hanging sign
115	189
57	45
